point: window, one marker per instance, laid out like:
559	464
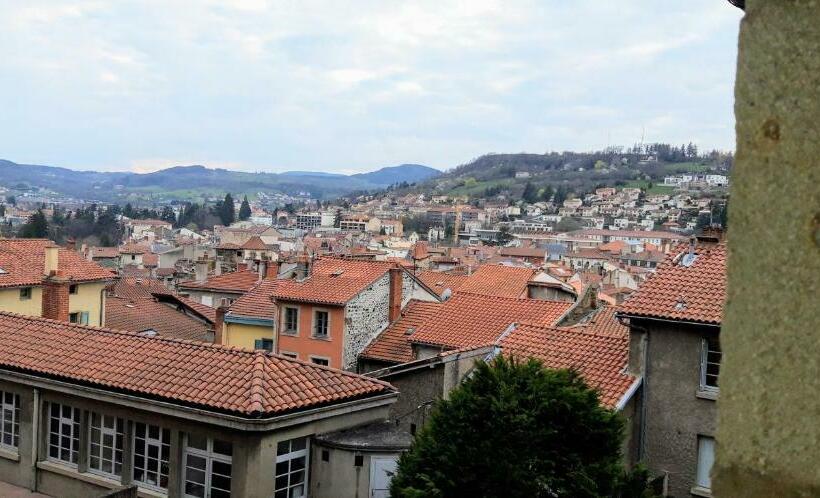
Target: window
152	446
266	344
320	324
106	434
289	354
72	289
9	419
207	467
318	360
25	293
64	433
710	365
706	457
290	323
80	317
291	468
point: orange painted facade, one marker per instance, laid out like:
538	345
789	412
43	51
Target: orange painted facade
303	344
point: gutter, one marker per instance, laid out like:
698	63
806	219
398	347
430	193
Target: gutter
628	395
201	415
248	320
666	320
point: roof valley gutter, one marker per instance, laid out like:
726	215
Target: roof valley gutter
199	414
666	320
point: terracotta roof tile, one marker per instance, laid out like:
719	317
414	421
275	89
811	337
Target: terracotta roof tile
23	261
694	293
238	282
257	302
603	322
471	319
220	378
137	315
439	281
499	280
600	359
255	243
393	343
332	281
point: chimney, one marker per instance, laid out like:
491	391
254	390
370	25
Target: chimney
201	270
262	267
52	255
218	267
55	297
272	270
241	267
394	299
219	324
303	266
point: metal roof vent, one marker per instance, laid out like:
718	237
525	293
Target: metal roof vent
147	333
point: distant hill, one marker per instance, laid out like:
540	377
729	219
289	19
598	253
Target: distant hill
191	182
410	173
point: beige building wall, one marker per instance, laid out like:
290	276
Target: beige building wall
244	336
90	297
10	301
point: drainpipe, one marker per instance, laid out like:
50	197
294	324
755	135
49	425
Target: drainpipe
35	443
644	384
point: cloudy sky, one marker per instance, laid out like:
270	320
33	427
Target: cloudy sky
353	86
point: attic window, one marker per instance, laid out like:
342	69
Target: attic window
337	273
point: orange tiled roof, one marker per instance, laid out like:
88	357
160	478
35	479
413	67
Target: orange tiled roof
332	281
23	261
439	281
470	319
600	359
237	282
687	293
150	259
105	252
255	243
393	343
499	280
257	302
134	249
137	288
603	322
253	384
137	315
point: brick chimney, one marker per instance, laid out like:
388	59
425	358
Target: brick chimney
219	324
55	297
272	270
394	299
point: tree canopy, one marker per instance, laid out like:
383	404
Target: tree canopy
244	209
517	429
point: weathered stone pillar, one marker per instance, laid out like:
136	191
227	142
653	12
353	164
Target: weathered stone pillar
768	432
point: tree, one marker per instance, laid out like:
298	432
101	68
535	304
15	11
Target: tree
244	210
227	213
530	194
36	227
504	235
168	215
11	200
568	224
2	210
519	430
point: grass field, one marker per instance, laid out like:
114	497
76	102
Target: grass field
672	169
655	189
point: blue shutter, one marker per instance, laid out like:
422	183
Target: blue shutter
84	318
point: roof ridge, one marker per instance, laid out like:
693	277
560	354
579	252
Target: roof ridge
257	390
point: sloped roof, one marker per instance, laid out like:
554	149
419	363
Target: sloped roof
104	252
238	282
257	302
600	359
603	322
137	315
136	288
471	319
694	293
498	280
393	343
253	384
333	281
23	263
255	243
438	281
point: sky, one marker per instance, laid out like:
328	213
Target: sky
348	87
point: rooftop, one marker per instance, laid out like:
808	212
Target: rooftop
251	384
23	264
236	282
498	280
333	281
684	290
393	344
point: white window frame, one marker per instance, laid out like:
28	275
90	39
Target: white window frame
315	322
146	444
115	448
706	460
285	329
313	359
9	419
73	435
287	457
209	456
704	362
290	354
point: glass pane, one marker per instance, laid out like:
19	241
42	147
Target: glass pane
298	444
153	431
196	462
197	441
223	447
221	468
139	429
282	468
281	482
194	489
195	475
221	482
283	448
218	493
297	464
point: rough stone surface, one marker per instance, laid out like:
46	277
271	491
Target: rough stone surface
768	435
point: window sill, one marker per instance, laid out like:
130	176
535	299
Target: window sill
289	333
97	479
701	491
321	337
9	454
710	395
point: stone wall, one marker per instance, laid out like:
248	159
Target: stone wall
365	317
